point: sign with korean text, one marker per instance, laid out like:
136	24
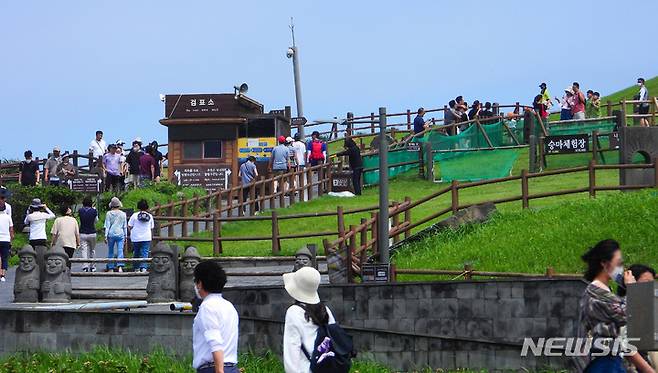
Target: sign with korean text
202	106
375	272
260	147
201	176
298	121
341	181
413	146
86	183
566	144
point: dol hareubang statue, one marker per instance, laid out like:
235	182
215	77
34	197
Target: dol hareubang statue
56	285
189	261
303	258
26	284
161	286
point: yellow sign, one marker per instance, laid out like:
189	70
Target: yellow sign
259	147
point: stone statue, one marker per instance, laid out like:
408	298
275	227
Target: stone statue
303	258
28	274
189	261
56	285
161	286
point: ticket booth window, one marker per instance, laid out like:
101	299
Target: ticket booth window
209	149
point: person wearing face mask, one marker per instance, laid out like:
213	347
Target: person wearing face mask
603	314
215	328
643	95
28	171
133	164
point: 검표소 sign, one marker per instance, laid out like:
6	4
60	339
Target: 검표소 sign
207	177
565	144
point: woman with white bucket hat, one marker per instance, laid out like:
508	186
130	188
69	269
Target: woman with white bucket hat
303	318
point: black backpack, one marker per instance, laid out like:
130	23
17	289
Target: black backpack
333	350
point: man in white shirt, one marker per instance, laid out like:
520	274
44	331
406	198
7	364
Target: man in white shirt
98	146
4	194
215	329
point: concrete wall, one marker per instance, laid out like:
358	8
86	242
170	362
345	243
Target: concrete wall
442	325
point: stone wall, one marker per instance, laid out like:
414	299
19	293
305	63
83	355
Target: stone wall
442	325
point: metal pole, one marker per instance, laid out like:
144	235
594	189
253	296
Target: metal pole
298	88
382	229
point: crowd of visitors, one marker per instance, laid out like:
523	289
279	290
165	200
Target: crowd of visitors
119	168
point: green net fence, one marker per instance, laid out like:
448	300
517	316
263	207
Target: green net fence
394	157
467	156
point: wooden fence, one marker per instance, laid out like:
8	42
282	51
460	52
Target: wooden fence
356	253
9	170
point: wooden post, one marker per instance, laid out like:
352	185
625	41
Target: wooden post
407	217
309	183
550	272
340	220
229	202
301	185
363	247
350	255
372	123
484	134
375	245
208	213
218	201
595	143
195	213
262	193
609	108
330	177
468	268
241	201
170	212
320	180
653	114
91	160
281	181
350	124
542	154
252	198
276	242
290	179
216	232
408	120
429	161
623	112
272	194
454	193
184	214
592	178
396	221
75	158
524	189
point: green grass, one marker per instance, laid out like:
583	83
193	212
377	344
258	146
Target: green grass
407	184
531	240
105	360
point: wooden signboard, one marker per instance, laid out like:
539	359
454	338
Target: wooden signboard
566	144
341	181
375	272
413	146
205	106
86	183
208	177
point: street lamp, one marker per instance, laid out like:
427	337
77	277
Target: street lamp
293	53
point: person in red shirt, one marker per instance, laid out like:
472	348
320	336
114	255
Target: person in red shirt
147	165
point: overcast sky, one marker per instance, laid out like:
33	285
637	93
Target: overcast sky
69	68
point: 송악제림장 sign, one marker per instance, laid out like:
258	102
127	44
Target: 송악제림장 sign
565	144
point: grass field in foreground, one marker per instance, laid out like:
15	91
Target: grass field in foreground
102	360
404	185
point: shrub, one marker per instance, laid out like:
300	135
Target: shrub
21	197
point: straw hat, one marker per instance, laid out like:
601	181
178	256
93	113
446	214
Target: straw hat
303	285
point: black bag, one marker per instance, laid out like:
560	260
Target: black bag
333	350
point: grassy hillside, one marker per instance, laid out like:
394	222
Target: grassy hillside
628	93
531	240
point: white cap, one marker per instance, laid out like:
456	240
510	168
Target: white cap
303	285
138	139
289	139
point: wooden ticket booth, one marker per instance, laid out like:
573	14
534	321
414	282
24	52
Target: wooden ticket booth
210	135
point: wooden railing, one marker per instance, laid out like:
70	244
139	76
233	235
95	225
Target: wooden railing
352	253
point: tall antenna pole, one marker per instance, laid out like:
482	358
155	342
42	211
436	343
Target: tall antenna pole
293	53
